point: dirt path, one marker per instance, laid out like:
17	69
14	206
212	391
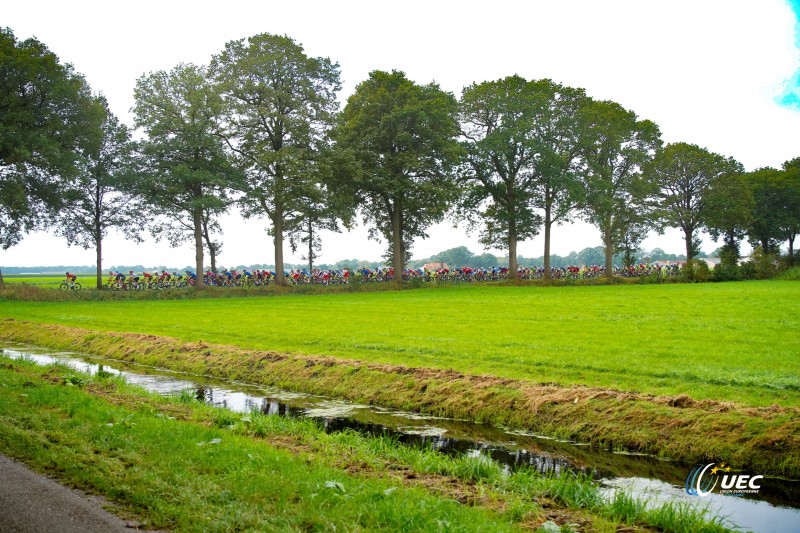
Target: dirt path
32	503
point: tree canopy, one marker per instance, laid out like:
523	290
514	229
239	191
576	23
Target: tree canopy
618	198
684	173
45	112
522	144
402	137
185	171
279	106
100	197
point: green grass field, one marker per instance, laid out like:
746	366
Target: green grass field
729	341
44	281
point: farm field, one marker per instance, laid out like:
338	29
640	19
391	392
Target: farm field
43	280
732	342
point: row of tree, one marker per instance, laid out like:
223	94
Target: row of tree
259	128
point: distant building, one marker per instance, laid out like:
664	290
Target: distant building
668	262
711	262
435	266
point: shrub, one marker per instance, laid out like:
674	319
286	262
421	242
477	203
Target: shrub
748	270
695	271
765	264
727	272
792	274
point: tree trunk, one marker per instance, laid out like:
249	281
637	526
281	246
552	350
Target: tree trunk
609	252
98	241
547	226
513	275
277	224
310	247
99	263
2	283
198	253
397	244
791	250
688	235
212	256
212	249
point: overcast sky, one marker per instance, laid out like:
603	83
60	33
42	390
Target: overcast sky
722	74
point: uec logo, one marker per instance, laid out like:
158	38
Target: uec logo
702	480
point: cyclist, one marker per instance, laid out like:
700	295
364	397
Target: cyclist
71	279
133	280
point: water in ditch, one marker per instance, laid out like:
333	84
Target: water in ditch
775	508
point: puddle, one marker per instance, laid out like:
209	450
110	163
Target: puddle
776	508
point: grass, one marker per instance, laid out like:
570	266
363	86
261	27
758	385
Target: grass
727	342
45	281
178	464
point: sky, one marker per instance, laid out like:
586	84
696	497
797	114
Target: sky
722	74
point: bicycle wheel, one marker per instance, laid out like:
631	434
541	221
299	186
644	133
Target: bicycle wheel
76	286
64	286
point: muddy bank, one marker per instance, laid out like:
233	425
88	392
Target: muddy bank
759	440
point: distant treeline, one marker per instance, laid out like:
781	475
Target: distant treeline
454	257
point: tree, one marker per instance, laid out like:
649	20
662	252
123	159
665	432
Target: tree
323	205
791	226
499	121
523	144
633	225
588	256
619	146
728	206
320	210
403	139
280	105
558	186
684	173
45	110
186	171
100	197
769	221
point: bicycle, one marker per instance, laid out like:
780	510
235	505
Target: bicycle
70	285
